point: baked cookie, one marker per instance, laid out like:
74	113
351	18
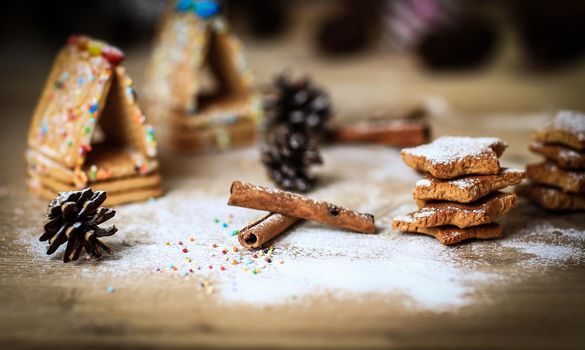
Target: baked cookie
565	158
452	156
551	198
483	211
549	173
466	189
449	235
567	128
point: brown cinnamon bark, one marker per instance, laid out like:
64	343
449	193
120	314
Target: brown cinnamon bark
257	233
394	133
248	195
404	125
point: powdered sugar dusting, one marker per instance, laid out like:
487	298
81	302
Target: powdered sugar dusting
569	246
448	149
424	183
466	183
191	227
571	121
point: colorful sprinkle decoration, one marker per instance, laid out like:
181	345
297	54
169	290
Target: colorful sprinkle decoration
93	108
202	8
188	258
96	48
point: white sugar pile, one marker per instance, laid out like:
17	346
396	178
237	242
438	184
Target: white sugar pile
188	234
531	239
447	149
571	121
309	259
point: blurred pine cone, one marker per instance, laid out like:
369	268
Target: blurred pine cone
296	117
295	101
288	156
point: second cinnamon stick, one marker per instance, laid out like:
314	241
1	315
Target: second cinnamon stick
257	233
248	195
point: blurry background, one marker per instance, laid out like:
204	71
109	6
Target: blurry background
476	57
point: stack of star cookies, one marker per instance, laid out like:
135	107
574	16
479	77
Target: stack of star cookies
460	196
558	183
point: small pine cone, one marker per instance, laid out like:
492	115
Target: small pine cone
295	101
288	157
73	217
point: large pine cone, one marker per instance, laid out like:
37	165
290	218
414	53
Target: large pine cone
288	155
73	217
295	101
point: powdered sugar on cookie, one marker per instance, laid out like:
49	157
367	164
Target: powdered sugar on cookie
424	183
567	129
454	156
465	183
570	121
453	148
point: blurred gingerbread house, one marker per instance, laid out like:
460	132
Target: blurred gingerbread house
88	130
195	46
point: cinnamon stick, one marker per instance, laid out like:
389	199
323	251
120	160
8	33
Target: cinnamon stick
248	195
393	133
257	233
404	125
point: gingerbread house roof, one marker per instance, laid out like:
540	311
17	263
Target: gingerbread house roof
86	87
193	34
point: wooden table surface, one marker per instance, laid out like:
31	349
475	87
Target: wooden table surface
44	303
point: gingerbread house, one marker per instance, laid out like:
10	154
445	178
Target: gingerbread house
195	46
88	130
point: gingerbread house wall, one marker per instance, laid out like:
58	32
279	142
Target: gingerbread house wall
185	45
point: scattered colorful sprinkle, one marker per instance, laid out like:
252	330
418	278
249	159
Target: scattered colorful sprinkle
252	262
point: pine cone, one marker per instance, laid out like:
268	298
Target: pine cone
296	116
295	101
288	156
73	217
